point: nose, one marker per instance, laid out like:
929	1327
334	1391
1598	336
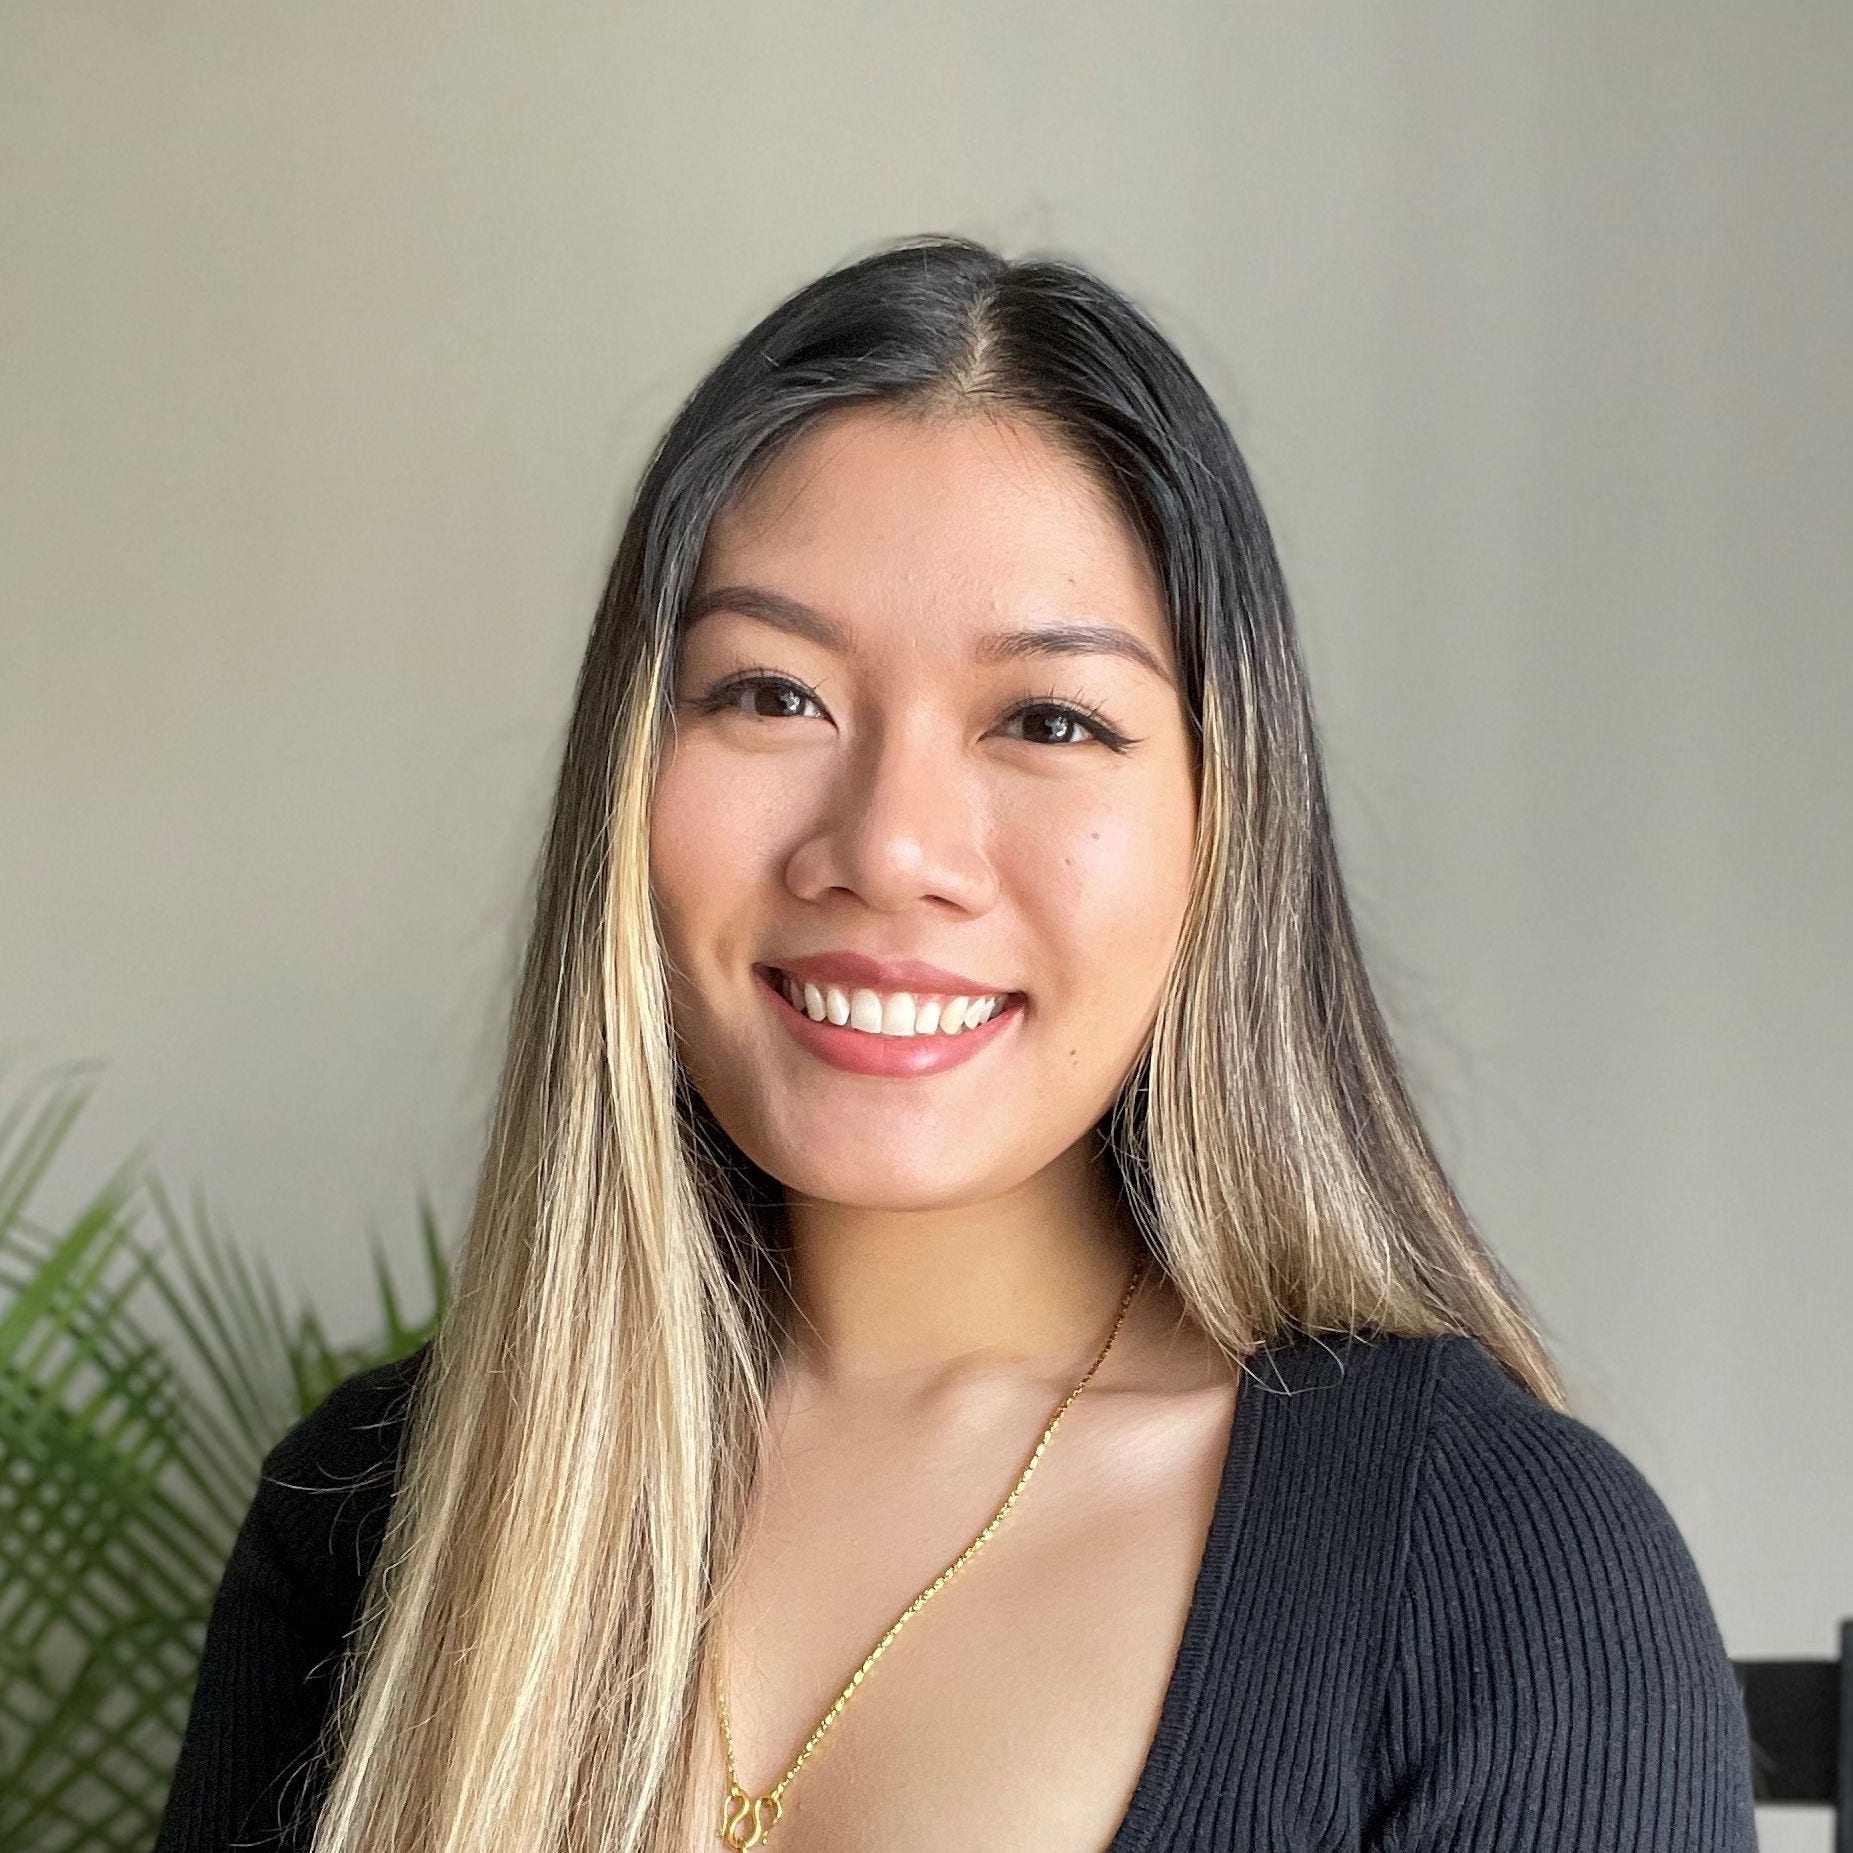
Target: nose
903	821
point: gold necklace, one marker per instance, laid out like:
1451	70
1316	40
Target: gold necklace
746	1819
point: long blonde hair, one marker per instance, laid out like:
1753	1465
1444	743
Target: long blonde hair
529	1663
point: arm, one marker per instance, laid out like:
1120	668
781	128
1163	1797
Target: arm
262	1694
1559	1683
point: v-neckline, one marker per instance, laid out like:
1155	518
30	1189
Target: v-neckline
1216	1568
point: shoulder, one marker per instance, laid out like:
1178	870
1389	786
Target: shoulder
279	1623
1516	1496
1554	1657
356	1427
1498	1496
326	1485
1463	1458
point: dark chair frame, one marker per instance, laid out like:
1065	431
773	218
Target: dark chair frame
1800	1714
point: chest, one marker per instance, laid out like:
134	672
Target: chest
1016	1708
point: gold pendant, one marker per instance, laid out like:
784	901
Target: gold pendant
747	1819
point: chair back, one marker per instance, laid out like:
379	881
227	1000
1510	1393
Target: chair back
1800	1714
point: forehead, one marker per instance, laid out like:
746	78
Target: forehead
952	521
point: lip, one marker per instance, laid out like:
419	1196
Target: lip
850	969
858	1052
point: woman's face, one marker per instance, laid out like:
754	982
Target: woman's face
901	783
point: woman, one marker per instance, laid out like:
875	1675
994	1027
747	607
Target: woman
962	1340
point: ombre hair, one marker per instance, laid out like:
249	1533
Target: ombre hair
531	1662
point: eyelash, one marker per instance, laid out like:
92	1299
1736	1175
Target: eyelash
724	694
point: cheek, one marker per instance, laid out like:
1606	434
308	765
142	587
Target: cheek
708	845
700	871
704	835
1107	895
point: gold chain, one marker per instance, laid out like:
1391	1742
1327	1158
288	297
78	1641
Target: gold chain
746	1819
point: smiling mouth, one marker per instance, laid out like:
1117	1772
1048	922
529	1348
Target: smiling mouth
873	1013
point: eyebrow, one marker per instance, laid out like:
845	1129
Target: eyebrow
782	612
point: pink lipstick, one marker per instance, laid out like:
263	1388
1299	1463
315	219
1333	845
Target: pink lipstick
864	1052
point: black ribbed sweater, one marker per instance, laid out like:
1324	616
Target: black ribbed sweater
1432	1614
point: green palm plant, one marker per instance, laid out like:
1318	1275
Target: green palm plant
127	1463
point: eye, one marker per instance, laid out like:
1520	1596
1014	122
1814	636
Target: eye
1066	716
727	694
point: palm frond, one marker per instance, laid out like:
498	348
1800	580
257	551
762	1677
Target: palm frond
126	1465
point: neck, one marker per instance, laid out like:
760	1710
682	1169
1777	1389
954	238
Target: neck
1020	1284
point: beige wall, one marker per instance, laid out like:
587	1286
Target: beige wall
332	336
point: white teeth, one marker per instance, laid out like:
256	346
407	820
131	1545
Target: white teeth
899	1013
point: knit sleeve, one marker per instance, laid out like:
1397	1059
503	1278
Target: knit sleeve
1559	1683
248	1774
260	1698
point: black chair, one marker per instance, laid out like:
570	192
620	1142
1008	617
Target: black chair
1800	1714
